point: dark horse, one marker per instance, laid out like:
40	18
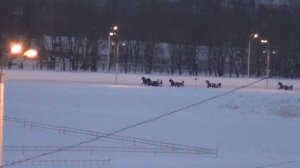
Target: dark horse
149	82
146	81
213	85
176	84
285	87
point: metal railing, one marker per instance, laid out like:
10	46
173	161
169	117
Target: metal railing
135	141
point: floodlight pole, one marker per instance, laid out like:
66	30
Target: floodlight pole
248	60
268	61
117	62
268	68
112	31
253	36
108	51
2	82
1	108
1	114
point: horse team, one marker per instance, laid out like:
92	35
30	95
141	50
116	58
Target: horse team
149	82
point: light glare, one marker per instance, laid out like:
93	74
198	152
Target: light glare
264	41
31	53
16	49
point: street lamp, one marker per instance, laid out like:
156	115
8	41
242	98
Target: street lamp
268	52
31	53
118	44
112	31
253	36
264	41
15	49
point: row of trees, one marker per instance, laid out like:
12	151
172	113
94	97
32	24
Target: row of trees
163	35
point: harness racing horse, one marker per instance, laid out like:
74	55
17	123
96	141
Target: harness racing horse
176	84
212	85
285	87
149	82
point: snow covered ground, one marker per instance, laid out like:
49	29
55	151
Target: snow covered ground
253	127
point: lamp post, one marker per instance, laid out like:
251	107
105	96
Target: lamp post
1	112
118	44
268	61
268	69
14	50
111	33
117	63
253	36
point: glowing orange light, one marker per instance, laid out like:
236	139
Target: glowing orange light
31	53
16	49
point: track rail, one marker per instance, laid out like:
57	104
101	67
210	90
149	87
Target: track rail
135	141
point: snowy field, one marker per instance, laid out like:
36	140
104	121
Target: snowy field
253	127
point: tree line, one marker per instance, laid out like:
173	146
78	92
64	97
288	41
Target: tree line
174	36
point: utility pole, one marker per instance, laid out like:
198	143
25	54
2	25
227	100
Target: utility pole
1	114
